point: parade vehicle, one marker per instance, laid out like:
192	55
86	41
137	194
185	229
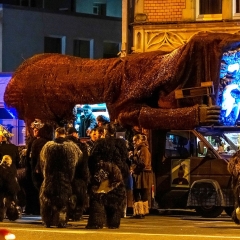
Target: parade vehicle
138	90
193	172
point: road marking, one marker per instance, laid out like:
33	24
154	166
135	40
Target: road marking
80	231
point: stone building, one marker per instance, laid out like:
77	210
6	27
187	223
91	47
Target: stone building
166	24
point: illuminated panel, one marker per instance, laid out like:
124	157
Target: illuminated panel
229	94
5	113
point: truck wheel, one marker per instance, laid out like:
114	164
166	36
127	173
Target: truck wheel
229	210
209	211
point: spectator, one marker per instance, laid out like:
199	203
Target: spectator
102	120
32	196
93	138
99	132
7	148
9	188
45	134
142	175
87	121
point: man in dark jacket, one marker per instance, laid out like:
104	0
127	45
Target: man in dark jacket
9	187
7	148
88	121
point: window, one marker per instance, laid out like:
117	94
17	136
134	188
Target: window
27	3
54	44
236	9
99	9
237	6
83	48
210	7
110	49
208	10
177	146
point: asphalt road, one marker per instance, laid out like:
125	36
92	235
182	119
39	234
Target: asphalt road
170	226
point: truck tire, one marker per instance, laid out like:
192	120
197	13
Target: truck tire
229	210
209	211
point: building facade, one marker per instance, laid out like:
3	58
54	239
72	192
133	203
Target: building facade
32	27
86	29
166	24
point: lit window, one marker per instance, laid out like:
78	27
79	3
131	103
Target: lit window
208	10
236	9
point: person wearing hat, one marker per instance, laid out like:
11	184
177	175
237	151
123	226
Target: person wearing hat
102	120
87	121
72	131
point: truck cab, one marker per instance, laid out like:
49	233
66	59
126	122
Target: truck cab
192	172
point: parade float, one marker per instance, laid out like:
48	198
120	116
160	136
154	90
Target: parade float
189	99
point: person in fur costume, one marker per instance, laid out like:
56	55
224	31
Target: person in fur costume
110	154
107	196
81	178
58	161
9	188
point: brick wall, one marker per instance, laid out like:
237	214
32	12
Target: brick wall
164	10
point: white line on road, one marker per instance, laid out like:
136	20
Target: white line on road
80	231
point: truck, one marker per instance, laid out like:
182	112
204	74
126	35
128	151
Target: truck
191	169
192	173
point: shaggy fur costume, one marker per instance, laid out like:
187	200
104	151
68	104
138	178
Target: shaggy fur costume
80	181
110	149
9	188
108	206
234	169
58	160
107	196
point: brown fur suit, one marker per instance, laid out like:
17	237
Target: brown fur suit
234	169
58	161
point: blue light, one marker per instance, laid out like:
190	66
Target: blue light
233	67
229	94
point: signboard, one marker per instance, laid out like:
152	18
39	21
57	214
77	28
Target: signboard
180	173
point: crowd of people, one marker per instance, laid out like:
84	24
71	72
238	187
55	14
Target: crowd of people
64	176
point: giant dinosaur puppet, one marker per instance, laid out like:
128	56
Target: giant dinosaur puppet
138	89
